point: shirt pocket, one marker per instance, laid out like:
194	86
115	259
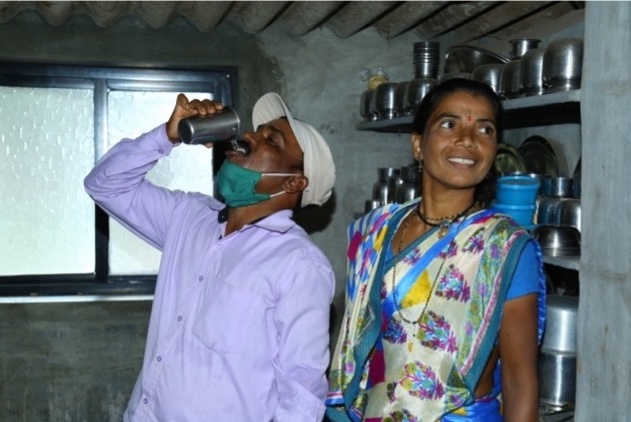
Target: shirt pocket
226	319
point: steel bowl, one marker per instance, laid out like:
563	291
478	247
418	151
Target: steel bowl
547	208
465	58
557	186
569	213
558	240
521	46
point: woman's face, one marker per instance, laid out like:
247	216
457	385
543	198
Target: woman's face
459	143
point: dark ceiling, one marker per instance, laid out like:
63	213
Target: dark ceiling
467	21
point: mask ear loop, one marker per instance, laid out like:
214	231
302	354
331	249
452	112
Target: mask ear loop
273	195
280	174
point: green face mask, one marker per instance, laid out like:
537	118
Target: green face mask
237	185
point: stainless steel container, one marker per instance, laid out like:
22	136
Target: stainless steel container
569	213
223	126
531	72
547	208
557	186
410	188
384	98
557	379
510	79
522	45
490	74
562	64
560	331
417	89
381	188
400	99
558	240
364	105
557	357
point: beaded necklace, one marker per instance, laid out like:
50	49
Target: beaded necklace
443	222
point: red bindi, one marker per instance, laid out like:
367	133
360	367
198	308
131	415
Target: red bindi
469	118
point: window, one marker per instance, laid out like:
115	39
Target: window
55	123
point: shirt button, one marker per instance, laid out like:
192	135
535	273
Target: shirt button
200	278
145	401
161	151
179	318
159	358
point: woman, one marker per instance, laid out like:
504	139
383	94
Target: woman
445	298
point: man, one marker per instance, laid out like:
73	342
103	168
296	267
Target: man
239	325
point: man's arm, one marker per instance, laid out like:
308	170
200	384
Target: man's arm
117	184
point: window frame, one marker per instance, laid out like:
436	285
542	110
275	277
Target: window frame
219	81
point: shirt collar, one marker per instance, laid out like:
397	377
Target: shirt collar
279	221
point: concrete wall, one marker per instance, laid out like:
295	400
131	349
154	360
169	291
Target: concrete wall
604	318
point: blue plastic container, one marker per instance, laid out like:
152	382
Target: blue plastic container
517	190
523	214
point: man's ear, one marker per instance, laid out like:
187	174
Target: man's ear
296	184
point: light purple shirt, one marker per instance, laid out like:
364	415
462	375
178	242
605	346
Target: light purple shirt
239	325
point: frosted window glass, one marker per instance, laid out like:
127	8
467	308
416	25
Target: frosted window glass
188	168
46	149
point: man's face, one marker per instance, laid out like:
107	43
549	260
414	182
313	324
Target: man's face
273	149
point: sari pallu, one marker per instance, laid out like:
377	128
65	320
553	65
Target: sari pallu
361	326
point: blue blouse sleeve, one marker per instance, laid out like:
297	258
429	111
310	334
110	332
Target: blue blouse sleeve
526	278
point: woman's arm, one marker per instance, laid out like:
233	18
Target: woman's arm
518	354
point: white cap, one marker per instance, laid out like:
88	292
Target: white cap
318	161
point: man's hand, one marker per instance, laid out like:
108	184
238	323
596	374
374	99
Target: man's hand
184	109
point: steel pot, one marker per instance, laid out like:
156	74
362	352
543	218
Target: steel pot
531	72
490	74
522	45
560	331
400	99
557	357
510	79
410	188
384	98
365	105
557	379
562	64
417	89
381	188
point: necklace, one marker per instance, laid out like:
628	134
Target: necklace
394	276
442	222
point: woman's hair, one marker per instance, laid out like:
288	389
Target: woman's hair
485	190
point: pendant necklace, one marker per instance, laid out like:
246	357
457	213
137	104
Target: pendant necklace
394	277
444	223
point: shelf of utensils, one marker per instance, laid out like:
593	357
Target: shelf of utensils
540	86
